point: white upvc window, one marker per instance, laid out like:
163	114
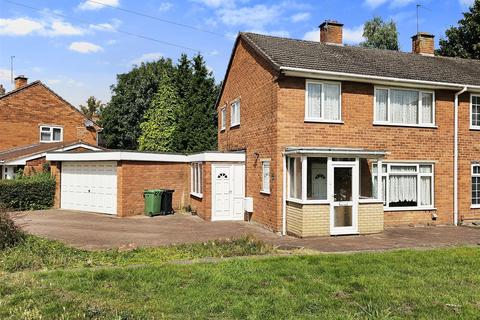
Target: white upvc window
405	186
475	185
51	134
404	107
294	169
323	101
475	112
197	177
266	176
223	118
235	113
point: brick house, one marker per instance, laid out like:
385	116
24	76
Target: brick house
322	123
35	120
315	138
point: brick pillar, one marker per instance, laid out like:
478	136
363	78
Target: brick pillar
55	170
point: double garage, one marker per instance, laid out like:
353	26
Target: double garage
212	184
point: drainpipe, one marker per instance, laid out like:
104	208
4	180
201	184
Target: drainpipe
284	196
455	159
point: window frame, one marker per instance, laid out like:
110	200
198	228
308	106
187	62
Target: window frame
265	162
232	123
50	130
223	118
419	107
322	119
386	196
473	127
476	175
196	183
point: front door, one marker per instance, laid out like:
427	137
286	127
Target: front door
344	199
228	191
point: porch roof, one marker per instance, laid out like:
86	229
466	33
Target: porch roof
335	151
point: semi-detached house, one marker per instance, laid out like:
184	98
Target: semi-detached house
318	138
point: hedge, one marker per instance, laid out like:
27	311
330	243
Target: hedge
28	193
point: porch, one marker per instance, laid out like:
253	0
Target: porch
332	191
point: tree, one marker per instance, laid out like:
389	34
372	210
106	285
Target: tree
464	40
380	34
93	109
161	123
132	96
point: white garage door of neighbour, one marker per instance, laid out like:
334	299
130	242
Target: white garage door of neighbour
89	186
228	191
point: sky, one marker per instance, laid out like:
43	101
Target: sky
77	47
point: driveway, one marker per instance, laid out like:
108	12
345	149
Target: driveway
96	231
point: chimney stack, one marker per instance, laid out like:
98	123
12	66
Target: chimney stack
20	81
2	90
331	32
423	43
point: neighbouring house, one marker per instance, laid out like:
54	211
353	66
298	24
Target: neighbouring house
35	120
315	138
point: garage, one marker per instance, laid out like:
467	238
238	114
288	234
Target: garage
89	186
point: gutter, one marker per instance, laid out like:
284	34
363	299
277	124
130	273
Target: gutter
455	158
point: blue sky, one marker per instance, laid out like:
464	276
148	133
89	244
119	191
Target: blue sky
75	47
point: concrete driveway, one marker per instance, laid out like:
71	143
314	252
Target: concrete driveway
96	231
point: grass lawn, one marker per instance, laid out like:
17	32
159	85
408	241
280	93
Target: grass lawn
147	284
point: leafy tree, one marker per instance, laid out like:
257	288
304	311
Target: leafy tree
160	125
464	40
380	34
132	95
93	109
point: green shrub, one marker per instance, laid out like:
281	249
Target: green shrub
28	193
10	233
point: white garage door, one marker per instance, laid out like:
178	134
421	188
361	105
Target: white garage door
89	186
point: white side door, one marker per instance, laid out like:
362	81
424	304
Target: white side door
228	191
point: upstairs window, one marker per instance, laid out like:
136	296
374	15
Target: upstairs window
322	101
51	134
197	176
235	113
475	112
223	118
404	107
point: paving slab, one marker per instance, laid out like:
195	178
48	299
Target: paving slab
93	231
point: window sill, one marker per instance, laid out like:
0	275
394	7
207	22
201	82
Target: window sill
233	126
196	195
409	209
267	193
222	130
323	121
405	125
307	202
474	128
50	141
475	206
369	201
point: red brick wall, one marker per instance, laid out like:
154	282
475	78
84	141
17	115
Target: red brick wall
203	206
253	81
469	150
22	113
133	177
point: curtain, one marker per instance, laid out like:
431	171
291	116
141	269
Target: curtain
314	100
381	101
427	108
403	105
425	191
332	101
403	188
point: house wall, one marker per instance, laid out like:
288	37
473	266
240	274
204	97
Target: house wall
22	113
256	133
468	151
133	177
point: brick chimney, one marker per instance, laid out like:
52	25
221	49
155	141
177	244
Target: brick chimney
331	32
423	43
20	81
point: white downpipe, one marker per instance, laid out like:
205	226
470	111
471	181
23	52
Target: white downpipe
284	197
455	159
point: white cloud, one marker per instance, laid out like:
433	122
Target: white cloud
256	17
214	53
108	27
4	74
84	47
62	28
301	16
393	4
89	5
165	6
217	3
350	35
147	57
353	35
112	42
53	81
19	26
466	3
